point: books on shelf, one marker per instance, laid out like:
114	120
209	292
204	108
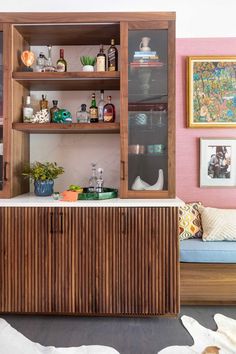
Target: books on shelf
142	59
147	64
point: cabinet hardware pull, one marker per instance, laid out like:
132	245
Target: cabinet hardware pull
124	223
61	216
51	223
5	171
123	170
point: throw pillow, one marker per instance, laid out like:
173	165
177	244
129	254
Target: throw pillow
218	224
190	221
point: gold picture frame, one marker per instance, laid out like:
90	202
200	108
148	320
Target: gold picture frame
211	92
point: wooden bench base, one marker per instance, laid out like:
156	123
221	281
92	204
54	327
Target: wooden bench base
207	284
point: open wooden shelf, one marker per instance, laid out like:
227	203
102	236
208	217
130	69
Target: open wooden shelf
68	81
73	128
70	34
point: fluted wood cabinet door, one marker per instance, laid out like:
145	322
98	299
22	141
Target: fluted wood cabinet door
25	256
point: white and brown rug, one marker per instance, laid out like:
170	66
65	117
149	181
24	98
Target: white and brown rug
13	342
206	341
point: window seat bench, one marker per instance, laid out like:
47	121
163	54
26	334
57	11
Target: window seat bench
207	272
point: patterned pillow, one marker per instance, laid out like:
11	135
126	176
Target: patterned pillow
190	225
218	224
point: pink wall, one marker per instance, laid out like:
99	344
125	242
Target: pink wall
187	139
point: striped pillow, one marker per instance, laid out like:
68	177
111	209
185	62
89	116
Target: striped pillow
190	225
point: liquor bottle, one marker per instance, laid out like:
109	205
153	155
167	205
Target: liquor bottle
40	62
49	67
43	103
101	60
112	57
82	115
109	112
28	111
93	110
100	107
93	178
54	109
61	63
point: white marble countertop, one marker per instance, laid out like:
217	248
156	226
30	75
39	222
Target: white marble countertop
30	200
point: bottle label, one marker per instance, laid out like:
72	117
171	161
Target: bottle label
93	113
108	117
61	68
101	63
27	114
111	61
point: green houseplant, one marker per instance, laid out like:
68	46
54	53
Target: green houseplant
43	176
88	63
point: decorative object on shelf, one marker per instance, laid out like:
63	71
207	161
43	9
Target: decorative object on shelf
28	111
112	55
144	77
27	59
56	195
109	111
49	67
41	116
61	63
141	119
40	62
54	109
107	193
72	194
156	149
62	116
82	116
140	185
144	44
93	110
136	149
88	63
211	92
101	60
43	175
217	162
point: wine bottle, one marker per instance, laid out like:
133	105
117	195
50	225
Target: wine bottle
61	63
101	60
109	112
112	57
93	110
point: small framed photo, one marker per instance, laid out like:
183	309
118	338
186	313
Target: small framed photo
217	162
211	92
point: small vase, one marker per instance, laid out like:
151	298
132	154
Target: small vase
88	68
43	188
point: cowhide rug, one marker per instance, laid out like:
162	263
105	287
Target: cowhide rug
13	342
206	341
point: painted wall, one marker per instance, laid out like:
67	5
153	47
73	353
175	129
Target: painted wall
187	139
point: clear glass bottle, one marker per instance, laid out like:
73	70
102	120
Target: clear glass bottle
54	109
93	178
49	67
61	63
100	181
28	111
112	57
93	110
101	106
101	60
82	116
109	112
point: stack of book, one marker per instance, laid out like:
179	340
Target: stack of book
145	59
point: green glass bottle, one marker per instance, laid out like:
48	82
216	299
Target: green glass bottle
93	110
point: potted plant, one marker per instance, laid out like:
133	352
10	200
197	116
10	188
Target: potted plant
43	175
88	63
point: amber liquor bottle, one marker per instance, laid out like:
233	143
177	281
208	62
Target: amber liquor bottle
61	63
93	110
112	57
109	112
101	60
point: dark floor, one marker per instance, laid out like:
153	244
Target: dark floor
127	335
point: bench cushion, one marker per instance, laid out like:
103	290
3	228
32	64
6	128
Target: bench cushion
197	251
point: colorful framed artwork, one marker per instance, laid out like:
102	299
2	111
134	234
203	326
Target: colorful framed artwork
217	162
211	92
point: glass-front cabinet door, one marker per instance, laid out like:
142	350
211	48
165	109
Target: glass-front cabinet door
148	105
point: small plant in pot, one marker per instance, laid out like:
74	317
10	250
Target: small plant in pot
43	176
88	63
